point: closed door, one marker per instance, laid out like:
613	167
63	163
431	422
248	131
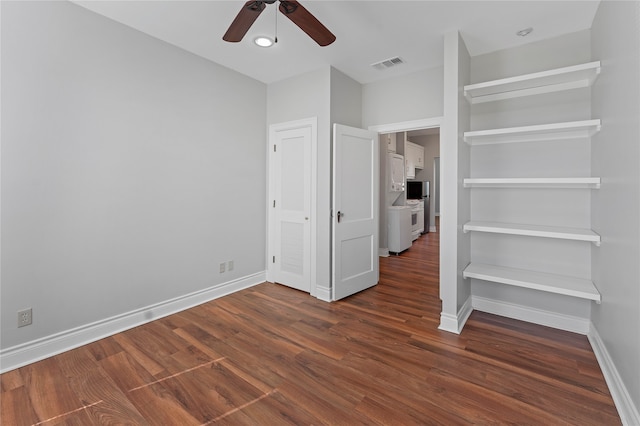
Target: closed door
356	169
290	204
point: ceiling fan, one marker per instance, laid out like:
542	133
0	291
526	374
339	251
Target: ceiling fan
289	8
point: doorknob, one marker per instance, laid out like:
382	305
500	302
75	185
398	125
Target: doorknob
340	214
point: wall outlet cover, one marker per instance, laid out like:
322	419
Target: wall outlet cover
25	317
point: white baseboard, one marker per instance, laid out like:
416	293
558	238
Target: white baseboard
323	293
36	350
455	323
536	316
629	413
383	252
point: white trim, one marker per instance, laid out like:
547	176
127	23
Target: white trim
455	324
407	126
36	350
448	323
433	228
383	252
323	293
537	316
629	414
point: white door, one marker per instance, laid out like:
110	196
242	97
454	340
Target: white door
290	203
355	210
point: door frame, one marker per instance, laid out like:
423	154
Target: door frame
312	123
406	126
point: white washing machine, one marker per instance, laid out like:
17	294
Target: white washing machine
399	228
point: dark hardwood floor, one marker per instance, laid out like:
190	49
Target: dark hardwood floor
271	355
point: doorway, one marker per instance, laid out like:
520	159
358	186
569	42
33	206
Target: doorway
416	130
429	140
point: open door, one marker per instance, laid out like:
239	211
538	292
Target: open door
356	169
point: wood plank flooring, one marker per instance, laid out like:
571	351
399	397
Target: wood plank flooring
271	355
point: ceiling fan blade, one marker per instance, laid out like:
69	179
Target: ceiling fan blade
307	22
246	17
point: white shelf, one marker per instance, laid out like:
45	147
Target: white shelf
573	77
539	132
558	232
586	183
569	286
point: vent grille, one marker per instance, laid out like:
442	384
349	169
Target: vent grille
388	63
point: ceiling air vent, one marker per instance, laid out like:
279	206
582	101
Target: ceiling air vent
388	63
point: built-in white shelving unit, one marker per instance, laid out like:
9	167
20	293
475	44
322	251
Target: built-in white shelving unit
572	77
560	183
559	232
555	80
559	284
539	132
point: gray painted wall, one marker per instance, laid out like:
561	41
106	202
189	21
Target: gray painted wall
346	99
129	170
410	97
463	170
455	202
300	97
616	207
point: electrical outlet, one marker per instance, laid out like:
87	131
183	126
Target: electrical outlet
222	267
25	317
230	265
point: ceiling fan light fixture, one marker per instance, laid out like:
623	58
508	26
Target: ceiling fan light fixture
263	41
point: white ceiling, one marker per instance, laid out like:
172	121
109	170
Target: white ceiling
366	31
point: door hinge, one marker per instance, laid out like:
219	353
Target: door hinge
274	148
273	260
274	203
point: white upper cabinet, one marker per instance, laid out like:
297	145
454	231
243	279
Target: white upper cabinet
390	139
419	152
410	167
414	158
